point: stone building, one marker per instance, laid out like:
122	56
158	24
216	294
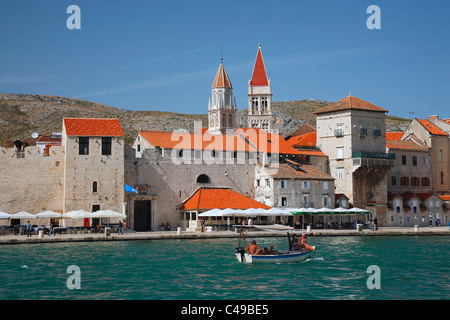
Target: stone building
85	172
434	134
351	132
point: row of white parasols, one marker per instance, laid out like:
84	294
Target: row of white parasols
77	214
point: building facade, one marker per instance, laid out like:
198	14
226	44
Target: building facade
351	132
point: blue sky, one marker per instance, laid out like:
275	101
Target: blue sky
163	55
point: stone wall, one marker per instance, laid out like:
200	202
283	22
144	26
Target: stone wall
169	184
33	183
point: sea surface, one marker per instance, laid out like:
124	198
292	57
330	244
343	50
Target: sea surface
411	267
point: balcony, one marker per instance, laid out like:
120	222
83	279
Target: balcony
364	158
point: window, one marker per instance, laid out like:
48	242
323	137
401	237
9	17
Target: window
404	160
393	180
340	174
362	131
404	181
139	148
376	132
425	160
425	181
325	185
305	201
397	205
325	201
340	153
414	159
306	185
442	177
282	201
203	178
441	155
94	186
339	131
282	184
106	146
95	208
415	181
83	145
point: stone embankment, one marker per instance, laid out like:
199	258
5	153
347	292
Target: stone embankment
18	239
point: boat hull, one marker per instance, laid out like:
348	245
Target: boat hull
284	257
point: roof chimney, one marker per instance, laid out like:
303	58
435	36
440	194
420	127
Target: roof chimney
433	117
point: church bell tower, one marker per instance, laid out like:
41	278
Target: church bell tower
222	106
260	97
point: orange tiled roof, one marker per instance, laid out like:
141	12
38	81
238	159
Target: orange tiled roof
219	198
48	137
307	139
221	80
305	172
404	145
349	103
244	139
433	129
394	135
93	127
304	128
259	77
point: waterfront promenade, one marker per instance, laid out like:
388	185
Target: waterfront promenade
160	235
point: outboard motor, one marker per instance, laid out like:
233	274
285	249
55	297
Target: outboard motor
241	251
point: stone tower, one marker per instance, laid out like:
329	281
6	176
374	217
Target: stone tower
260	97
222	106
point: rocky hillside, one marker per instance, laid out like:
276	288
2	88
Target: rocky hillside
22	114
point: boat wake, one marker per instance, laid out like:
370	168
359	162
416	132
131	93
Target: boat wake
314	259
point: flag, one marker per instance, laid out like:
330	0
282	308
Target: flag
130	189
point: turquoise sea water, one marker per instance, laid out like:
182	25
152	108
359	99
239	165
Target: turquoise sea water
411	268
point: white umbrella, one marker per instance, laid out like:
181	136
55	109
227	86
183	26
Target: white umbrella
340	210
358	210
4	215
22	215
49	214
252	212
211	213
77	214
278	212
233	212
106	214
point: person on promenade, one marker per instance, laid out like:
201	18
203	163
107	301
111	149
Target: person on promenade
51	229
167	227
125	227
120	227
28	228
97	228
253	248
375	224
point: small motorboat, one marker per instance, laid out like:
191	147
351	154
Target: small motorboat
287	256
279	256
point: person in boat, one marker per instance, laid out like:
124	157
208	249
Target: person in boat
304	243
253	248
266	251
272	251
295	243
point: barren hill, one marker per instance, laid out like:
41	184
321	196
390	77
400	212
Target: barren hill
22	114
